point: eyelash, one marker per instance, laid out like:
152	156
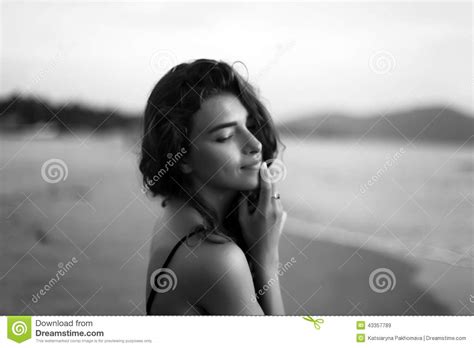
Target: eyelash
223	140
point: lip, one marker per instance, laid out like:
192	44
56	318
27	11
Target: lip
254	165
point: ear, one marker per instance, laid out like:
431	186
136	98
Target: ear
185	167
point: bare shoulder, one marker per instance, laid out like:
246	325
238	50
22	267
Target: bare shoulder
211	272
207	256
218	278
195	254
214	258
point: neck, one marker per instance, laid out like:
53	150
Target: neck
219	200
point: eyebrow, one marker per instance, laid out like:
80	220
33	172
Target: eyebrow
225	125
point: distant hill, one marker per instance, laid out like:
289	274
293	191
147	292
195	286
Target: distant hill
435	124
20	113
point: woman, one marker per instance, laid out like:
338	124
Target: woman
206	144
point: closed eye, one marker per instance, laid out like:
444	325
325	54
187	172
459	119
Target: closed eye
253	127
223	140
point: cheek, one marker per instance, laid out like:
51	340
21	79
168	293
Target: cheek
217	161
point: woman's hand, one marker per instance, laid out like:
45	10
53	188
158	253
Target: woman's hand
262	229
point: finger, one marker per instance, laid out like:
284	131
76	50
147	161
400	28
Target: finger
276	203
265	188
274	192
283	218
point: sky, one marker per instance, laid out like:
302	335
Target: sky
355	57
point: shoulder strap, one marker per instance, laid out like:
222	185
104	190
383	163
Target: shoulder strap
165	265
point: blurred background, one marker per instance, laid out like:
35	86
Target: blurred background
373	101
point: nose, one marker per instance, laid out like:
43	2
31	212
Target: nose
252	146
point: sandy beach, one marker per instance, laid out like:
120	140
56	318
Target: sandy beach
333	279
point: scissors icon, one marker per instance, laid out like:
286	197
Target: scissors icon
315	322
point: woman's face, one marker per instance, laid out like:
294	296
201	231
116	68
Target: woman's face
224	153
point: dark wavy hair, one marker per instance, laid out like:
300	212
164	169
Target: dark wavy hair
168	121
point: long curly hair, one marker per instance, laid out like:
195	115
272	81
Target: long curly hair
168	121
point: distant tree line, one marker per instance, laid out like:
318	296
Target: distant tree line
18	112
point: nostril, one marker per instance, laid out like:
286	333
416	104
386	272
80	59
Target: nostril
258	147
253	146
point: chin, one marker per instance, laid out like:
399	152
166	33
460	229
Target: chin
245	181
249	185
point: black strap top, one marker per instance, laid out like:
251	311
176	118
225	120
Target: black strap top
152	295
